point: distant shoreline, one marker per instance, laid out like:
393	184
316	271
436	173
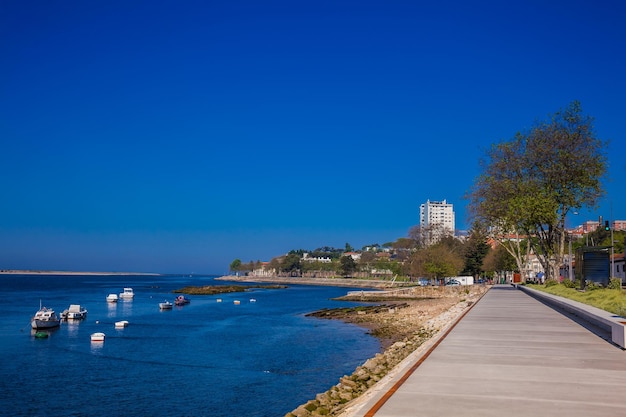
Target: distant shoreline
42	272
329	282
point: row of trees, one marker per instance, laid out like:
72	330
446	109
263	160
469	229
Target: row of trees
521	200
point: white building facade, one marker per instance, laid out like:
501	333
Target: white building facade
438	213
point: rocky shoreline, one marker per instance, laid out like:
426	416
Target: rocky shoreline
405	320
404	326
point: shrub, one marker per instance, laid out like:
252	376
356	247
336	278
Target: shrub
615	284
592	286
569	284
551	283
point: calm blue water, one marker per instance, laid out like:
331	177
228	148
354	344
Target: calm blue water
203	359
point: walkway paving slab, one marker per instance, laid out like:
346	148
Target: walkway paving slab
512	355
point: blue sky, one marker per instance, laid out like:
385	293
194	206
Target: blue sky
176	136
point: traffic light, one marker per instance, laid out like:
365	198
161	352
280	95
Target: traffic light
606	225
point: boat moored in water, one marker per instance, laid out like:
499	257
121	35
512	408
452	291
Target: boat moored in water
166	305
97	337
127	294
75	312
45	318
181	300
121	324
112	298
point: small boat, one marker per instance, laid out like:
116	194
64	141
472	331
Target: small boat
121	324
75	312
127	294
41	335
166	305
219	300
236	302
181	300
253	300
45	318
97	337
112	298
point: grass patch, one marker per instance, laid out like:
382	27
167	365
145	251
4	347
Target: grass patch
611	300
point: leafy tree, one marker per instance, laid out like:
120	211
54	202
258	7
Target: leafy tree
476	248
498	260
349	248
235	265
291	263
404	243
346	265
435	262
367	259
528	185
274	264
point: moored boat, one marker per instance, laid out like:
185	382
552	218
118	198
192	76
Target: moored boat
112	298
181	300
166	305
121	324
97	337
45	318
127	294
75	312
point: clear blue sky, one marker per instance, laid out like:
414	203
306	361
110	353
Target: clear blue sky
176	136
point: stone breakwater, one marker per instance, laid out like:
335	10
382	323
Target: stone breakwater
406	329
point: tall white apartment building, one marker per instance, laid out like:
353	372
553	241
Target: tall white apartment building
437	213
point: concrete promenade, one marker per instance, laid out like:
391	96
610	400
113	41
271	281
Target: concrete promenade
510	355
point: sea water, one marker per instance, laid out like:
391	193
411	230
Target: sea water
260	357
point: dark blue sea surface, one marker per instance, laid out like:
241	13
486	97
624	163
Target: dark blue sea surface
207	358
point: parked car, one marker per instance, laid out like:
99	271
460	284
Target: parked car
423	282
453	282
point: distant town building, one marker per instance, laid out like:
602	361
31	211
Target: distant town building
437	213
590	226
354	255
322	259
619	225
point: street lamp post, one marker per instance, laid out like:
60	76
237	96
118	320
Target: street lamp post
571	273
612	255
612	226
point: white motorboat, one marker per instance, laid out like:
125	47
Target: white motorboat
98	337
112	298
166	305
121	324
45	318
127	294
75	312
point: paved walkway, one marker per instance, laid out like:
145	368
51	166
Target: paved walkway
511	355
